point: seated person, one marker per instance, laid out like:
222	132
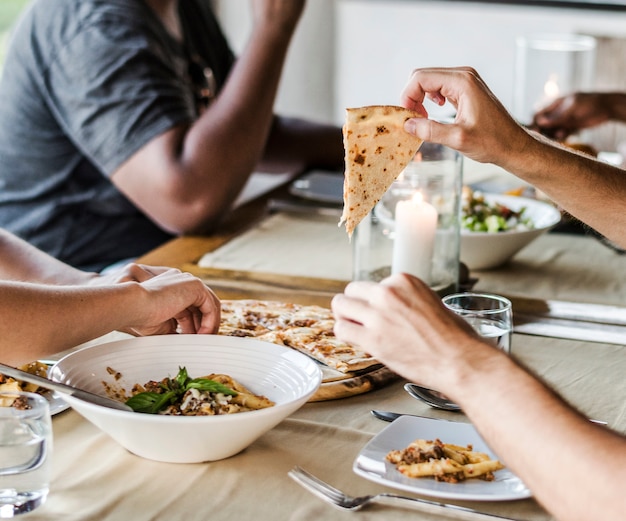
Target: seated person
47	306
125	123
575	469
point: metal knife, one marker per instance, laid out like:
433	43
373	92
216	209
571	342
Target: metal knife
63	388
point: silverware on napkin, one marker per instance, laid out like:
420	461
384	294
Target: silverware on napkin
570	320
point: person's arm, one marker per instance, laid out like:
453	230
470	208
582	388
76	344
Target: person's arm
591	190
574	468
296	144
38	320
20	261
580	110
196	171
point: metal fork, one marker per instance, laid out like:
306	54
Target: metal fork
344	502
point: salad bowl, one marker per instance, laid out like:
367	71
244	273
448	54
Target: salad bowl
481	250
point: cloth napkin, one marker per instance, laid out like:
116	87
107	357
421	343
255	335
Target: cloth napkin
288	244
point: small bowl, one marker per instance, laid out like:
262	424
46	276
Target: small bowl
281	374
484	250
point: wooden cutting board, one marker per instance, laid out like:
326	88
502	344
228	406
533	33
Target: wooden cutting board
337	385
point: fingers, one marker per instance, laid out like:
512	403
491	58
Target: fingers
207	313
188	321
132	273
178	302
431	131
203	311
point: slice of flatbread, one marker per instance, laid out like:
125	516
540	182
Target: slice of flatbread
377	149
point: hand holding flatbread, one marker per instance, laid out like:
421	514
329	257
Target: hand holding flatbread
377	149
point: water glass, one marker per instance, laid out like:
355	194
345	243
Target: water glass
490	315
25	452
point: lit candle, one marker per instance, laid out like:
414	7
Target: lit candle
551	91
415	226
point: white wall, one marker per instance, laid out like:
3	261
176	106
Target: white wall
380	42
307	85
359	52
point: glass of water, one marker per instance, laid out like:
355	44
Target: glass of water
490	315
25	452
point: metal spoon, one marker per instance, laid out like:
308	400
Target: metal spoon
432	398
63	388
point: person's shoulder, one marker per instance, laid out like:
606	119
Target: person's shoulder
73	16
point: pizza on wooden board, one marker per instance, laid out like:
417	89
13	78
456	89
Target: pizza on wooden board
377	149
308	329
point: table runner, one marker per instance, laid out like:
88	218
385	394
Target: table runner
557	266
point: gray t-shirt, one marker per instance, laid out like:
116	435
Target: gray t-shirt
86	83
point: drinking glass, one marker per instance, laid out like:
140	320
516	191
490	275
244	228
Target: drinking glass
490	315
25	450
548	66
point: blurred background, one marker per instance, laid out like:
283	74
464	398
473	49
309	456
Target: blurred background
349	53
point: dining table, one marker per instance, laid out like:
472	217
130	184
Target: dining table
569	296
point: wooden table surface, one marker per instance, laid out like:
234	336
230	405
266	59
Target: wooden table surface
184	253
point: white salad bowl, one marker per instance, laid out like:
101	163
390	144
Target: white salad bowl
283	375
485	250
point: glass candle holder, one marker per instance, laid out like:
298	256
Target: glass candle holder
415	227
548	66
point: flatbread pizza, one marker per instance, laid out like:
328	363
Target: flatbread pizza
308	329
377	149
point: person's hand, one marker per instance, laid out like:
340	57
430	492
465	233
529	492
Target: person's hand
569	114
282	15
404	324
176	302
131	272
482	130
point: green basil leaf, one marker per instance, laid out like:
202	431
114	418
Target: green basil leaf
149	402
204	384
143	402
182	377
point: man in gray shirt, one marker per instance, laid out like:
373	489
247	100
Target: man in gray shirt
126	122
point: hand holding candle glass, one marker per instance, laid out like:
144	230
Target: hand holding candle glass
25	448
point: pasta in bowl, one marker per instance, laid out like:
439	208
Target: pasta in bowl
284	377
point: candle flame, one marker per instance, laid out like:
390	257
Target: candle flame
417	198
551	88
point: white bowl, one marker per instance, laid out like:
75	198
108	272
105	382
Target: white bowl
283	375
484	250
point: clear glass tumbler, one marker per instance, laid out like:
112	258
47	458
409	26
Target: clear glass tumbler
550	65
490	315
25	450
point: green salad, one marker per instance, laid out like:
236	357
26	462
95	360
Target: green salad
478	215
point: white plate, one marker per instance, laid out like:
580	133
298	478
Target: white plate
371	463
319	185
57	404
